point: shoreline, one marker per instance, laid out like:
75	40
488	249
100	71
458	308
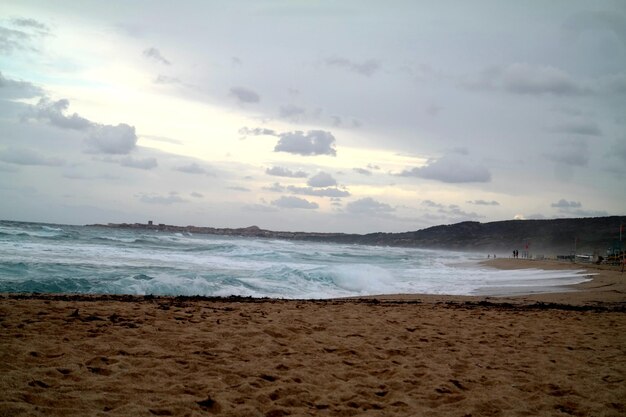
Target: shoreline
122	355
606	287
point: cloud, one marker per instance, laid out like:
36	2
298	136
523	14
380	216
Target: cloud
12	89
192	168
322	179
53	113
314	142
245	95
290	111
257	131
164	79
146	163
362	171
12	40
166	200
572	152
237	188
154	54
318	192
564	204
431	203
367	68
258	208
21	156
115	140
451	168
594	21
525	79
588	129
284	172
197	195
275	188
30	23
294	202
484	203
369	206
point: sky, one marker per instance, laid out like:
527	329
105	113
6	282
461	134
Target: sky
354	116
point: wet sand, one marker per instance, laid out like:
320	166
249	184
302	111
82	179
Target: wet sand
549	354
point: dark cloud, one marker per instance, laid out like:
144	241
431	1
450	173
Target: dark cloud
596	21
164	79
291	111
564	204
237	188
197	195
145	163
322	179
259	208
257	131
53	113
115	140
192	168
294	202
367	68
318	192
369	206
572	152
484	203
245	95
588	129
30	23
20	156
362	171
12	89
450	168
314	142
166	200
430	203
520	78
284	172
154	54
12	40
276	188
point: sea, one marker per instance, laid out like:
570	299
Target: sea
52	258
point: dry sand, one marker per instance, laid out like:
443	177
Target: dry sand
390	356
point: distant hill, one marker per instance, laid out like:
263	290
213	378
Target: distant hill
555	236
543	236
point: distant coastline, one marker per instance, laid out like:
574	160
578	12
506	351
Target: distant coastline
562	236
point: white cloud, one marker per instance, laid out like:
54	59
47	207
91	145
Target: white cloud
294	202
314	142
115	140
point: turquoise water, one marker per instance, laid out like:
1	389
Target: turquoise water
49	258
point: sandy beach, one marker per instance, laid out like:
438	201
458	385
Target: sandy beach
541	354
